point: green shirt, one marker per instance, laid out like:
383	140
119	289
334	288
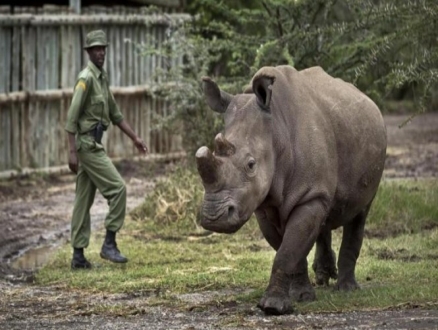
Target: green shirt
92	101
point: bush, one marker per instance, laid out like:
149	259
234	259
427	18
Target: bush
186	60
388	50
174	199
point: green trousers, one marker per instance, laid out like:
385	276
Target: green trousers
96	171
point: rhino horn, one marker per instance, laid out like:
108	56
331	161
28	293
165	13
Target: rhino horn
223	147
207	165
216	99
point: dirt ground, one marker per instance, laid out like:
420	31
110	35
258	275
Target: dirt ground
35	214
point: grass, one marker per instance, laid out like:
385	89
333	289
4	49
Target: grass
403	207
170	254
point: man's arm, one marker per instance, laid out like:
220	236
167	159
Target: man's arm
74	111
73	157
138	142
116	118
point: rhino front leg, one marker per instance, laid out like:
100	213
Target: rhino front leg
266	219
300	288
300	234
352	237
324	264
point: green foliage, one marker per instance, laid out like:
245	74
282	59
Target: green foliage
185	60
388	50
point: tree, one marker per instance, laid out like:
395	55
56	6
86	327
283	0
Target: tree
387	49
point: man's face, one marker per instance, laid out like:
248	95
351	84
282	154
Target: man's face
97	55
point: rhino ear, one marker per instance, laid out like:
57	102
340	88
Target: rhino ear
262	88
248	89
217	99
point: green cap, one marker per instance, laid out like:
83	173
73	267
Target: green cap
96	38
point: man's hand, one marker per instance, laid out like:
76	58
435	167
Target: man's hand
73	162
140	145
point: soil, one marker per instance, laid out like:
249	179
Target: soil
413	149
35	214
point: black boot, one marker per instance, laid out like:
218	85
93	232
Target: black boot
109	249
79	261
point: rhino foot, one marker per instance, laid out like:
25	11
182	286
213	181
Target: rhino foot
347	285
325	269
275	304
301	294
323	276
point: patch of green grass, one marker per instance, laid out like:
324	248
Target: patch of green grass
192	263
388	279
170	253
403	207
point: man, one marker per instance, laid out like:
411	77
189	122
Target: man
92	109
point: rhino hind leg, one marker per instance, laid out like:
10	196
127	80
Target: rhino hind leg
352	238
300	288
324	264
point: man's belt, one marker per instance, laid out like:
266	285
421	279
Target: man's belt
97	132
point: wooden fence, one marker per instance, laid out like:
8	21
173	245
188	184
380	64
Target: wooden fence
75	7
40	57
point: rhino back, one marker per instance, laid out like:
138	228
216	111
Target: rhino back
360	142
335	140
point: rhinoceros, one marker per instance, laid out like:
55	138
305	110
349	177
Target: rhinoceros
305	152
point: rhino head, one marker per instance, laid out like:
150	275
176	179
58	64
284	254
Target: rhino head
237	174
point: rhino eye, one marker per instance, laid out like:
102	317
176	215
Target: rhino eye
251	164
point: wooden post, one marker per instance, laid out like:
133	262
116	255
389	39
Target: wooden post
75	5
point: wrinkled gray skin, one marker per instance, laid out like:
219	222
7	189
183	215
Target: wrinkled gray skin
305	152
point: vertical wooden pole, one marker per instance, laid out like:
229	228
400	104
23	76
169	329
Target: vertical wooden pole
75	5
16	59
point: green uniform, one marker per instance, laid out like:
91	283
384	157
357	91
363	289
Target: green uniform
93	101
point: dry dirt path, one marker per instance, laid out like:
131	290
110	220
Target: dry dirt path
36	213
413	149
